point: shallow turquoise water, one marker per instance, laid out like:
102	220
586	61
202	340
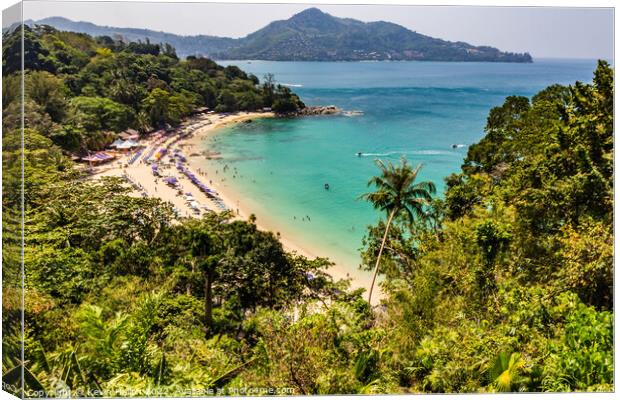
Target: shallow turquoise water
416	109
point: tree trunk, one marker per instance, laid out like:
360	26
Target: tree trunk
374	276
188	285
208	302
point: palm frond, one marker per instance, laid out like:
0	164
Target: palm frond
396	189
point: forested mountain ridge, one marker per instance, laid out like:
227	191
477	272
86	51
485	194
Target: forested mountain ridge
310	35
313	35
185	45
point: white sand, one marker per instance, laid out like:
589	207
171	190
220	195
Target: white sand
140	172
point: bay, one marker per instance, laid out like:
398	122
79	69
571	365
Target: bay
418	110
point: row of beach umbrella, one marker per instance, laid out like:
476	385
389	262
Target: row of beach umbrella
135	157
194	179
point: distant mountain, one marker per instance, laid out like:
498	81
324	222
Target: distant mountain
315	35
311	35
185	45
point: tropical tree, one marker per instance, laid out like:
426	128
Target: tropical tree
397	193
100	114
505	373
48	91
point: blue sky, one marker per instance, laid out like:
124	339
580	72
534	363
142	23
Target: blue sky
543	31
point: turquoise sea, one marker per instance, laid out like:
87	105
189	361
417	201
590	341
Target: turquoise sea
415	109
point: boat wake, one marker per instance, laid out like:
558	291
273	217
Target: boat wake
410	152
353	113
292	84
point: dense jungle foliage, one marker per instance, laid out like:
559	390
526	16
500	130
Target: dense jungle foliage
81	90
503	284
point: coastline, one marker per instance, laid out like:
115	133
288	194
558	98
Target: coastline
243	208
145	182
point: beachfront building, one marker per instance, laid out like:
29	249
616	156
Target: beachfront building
125	146
199	110
129	134
116	143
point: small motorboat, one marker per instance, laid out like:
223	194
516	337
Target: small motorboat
359	153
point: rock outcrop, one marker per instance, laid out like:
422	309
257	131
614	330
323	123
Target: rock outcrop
319	110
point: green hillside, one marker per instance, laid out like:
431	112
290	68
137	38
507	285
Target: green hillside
82	90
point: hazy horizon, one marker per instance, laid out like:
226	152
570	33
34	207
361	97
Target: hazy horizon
544	32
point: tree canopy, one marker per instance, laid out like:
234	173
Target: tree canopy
91	86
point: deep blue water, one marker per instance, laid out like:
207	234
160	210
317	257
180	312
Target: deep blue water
415	109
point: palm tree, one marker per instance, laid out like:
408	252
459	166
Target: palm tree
506	373
397	193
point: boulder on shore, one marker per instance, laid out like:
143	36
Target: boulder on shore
319	110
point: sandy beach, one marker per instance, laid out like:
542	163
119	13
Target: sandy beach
187	198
